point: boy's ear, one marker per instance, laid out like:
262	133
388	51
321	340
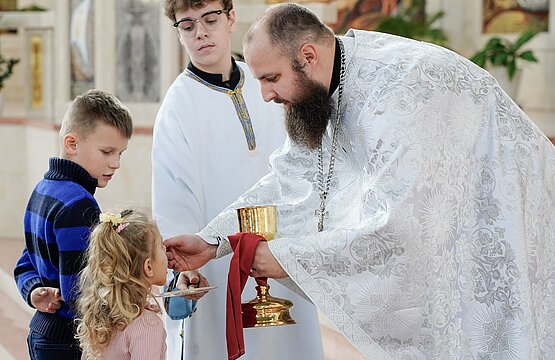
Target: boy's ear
231	20
147	268
70	143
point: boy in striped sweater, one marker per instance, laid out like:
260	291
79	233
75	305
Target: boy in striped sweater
59	215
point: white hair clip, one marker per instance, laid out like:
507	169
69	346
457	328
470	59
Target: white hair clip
115	219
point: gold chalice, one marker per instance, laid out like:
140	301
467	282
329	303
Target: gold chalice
264	309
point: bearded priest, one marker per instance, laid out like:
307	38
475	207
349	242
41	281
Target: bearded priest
416	200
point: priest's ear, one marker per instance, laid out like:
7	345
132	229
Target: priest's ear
309	53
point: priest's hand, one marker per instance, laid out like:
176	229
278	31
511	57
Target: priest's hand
188	252
191	279
265	264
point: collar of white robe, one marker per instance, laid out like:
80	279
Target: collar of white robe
324	185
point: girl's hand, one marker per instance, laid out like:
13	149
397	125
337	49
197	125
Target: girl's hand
189	279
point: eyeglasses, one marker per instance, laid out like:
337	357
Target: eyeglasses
209	20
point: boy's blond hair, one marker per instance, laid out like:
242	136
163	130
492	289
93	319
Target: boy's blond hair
94	107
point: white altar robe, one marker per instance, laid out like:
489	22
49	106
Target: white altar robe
440	239
200	164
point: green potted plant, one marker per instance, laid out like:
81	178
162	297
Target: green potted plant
6	70
414	23
501	58
502	52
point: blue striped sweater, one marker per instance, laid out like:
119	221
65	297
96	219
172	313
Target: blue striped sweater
57	224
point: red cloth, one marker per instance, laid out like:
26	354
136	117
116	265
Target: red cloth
244	246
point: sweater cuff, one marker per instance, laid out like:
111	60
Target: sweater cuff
28	289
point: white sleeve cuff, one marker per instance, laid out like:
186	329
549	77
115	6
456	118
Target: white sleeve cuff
212	240
224	247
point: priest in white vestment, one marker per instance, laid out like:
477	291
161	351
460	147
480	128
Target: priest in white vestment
212	139
432	233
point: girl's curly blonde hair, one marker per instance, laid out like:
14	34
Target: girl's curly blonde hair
114	289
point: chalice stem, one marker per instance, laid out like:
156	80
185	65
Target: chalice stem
261	281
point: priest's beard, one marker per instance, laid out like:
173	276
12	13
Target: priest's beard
307	118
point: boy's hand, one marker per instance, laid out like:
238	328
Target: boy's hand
191	279
46	299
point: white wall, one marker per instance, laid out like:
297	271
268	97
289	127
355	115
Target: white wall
536	95
26	147
23	159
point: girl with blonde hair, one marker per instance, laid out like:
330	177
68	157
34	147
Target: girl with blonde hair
115	317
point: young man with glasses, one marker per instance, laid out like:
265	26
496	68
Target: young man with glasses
212	140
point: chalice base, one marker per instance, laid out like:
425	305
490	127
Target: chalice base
266	310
